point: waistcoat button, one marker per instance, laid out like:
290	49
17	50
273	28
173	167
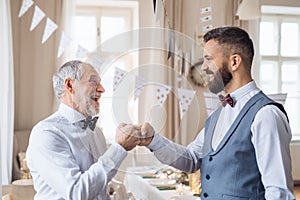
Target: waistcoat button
210	159
205	195
207	177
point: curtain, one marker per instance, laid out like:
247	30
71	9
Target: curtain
7	92
66	21
34	63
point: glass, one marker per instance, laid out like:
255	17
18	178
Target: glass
194	182
292	107
267	41
267	76
290	74
85	31
112	26
289	39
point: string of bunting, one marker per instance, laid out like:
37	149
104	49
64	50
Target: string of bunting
50	28
185	96
205	19
204	24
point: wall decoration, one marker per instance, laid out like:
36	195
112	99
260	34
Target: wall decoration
26	4
64	41
38	15
81	52
49	29
162	92
119	75
185	99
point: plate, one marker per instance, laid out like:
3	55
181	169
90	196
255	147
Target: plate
162	182
185	197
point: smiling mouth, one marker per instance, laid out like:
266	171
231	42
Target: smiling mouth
95	98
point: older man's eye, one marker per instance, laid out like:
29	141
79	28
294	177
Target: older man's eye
94	82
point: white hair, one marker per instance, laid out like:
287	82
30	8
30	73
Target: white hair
72	69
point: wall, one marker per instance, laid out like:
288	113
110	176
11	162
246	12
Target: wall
34	64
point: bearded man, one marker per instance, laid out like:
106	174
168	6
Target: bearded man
243	150
67	154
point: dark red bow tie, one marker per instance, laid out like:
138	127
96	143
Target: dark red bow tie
226	100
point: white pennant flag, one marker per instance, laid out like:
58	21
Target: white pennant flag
49	29
162	92
38	15
96	61
26	4
119	75
207	28
81	52
140	83
205	19
205	10
185	99
64	41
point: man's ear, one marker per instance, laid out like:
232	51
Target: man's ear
69	85
235	61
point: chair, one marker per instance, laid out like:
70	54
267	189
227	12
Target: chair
18	190
119	191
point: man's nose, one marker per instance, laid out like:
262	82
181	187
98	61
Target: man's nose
100	88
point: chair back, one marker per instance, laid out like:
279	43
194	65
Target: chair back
119	191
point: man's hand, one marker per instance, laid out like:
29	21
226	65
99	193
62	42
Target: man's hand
128	136
147	134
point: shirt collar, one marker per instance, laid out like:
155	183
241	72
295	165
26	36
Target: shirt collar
69	113
242	91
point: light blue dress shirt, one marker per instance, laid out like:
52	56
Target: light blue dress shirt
67	162
271	138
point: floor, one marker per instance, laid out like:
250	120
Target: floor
297	192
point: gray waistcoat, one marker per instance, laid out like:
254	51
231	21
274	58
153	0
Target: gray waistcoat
231	171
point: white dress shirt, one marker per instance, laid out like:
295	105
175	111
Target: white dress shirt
67	162
271	136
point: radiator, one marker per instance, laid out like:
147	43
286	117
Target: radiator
295	155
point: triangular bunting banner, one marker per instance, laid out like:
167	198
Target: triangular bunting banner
97	61
38	15
49	29
185	99
205	10
140	83
207	28
119	75
81	52
26	4
205	19
64	42
162	92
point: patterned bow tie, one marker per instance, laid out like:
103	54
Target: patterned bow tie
226	100
88	122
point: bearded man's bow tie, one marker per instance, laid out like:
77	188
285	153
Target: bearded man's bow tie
226	100
88	122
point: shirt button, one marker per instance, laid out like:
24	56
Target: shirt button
207	177
210	159
205	195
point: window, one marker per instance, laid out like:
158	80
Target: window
279	48
95	24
